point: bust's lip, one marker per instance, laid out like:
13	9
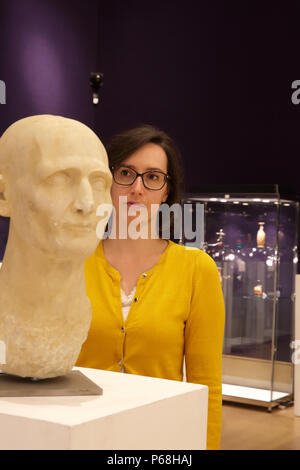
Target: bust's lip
83	226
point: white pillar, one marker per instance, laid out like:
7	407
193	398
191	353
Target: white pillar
296	354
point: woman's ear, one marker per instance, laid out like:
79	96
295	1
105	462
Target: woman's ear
4	207
165	197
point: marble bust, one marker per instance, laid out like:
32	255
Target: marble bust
54	174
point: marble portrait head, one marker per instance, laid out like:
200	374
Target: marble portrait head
54	174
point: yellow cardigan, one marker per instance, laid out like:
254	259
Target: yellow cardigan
178	311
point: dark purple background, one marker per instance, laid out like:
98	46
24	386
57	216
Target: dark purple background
47	51
216	75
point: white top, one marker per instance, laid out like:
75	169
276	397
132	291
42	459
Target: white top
126	301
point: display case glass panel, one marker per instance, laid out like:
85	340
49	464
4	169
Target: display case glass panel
253	240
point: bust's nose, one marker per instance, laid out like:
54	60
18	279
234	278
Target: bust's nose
84	201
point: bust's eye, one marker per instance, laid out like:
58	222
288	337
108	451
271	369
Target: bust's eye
98	184
59	178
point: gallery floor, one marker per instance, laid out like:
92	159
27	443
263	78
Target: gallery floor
254	428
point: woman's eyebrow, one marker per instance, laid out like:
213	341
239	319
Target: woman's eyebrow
147	169
158	169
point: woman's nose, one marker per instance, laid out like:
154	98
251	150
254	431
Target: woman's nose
138	185
84	201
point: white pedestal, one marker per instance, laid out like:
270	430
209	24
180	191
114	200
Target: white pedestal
134	412
296	354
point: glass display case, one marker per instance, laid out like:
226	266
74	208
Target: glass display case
253	239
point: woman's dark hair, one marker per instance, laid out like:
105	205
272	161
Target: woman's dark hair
125	144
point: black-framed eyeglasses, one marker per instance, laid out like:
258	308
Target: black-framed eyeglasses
152	179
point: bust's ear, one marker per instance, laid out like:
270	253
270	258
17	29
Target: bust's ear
4	207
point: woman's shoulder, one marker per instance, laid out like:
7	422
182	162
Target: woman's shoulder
96	260
192	263
192	254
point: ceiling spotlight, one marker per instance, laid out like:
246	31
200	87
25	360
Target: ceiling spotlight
96	81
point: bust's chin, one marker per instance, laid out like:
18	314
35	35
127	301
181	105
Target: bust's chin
74	245
75	249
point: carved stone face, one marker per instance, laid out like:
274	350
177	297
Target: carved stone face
56	175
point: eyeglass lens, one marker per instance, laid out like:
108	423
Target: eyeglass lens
151	179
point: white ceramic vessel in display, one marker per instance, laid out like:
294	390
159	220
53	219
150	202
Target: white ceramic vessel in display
261	236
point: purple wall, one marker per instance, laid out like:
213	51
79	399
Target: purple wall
217	75
159	60
214	74
47	51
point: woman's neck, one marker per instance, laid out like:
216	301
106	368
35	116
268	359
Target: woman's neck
134	248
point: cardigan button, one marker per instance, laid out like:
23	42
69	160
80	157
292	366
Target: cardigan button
144	275
122	329
136	299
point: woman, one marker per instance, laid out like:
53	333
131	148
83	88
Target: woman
155	303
